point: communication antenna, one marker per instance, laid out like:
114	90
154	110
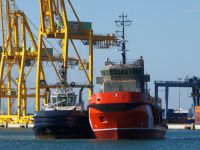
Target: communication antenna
121	23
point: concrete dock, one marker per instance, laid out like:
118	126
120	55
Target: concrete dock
16	125
183	126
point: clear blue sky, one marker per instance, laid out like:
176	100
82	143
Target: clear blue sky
165	32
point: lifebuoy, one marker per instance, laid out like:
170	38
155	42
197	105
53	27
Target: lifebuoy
72	84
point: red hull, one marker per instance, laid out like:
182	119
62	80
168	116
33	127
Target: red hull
126	133
124	115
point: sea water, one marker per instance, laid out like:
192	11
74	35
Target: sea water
23	139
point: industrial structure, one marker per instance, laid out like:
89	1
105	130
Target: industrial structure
18	58
193	83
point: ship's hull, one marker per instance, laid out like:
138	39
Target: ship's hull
124	115
128	133
62	124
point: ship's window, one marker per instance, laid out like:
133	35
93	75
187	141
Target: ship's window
130	71
54	99
122	71
118	72
69	101
111	72
115	72
126	71
60	99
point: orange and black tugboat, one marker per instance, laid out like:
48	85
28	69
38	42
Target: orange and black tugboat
123	109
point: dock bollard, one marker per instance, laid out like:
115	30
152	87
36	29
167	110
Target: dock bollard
22	126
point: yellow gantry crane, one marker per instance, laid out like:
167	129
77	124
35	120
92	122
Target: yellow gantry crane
54	24
14	59
18	58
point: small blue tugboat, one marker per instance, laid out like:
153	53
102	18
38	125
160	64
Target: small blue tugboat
63	117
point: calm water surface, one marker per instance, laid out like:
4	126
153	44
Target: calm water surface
16	139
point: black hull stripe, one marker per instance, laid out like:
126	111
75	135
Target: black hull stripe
116	107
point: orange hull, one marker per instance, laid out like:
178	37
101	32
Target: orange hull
135	133
123	115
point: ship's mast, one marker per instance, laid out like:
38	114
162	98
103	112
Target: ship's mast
121	23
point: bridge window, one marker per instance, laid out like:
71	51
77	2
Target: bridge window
126	72
54	99
111	72
122	72
114	72
69	101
